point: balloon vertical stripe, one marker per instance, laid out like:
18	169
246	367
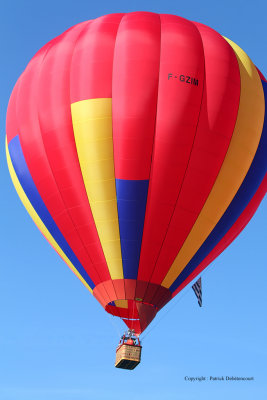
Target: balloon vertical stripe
92	124
135	71
91	85
24	177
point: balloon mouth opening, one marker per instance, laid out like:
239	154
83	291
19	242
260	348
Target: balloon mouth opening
135	302
136	314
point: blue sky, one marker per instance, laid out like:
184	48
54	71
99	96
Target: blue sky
56	342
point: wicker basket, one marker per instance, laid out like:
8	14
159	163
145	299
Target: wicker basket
128	356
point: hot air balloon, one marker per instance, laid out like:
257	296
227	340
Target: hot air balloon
137	144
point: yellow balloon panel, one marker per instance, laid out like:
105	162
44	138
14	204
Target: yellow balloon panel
92	124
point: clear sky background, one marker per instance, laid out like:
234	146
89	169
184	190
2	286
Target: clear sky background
56	342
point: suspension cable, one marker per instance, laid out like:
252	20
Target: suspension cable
175	303
166	313
115	326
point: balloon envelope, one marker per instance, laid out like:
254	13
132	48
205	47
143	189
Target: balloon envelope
137	143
